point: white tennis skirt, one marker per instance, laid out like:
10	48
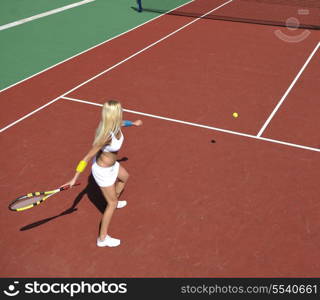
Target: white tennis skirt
105	176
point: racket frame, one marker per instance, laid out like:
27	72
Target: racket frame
45	194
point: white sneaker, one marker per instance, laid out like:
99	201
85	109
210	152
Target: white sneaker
121	203
108	241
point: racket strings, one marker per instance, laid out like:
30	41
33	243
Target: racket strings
32	199
26	201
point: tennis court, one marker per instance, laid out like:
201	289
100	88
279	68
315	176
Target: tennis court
210	195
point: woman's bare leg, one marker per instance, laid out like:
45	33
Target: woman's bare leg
112	199
123	177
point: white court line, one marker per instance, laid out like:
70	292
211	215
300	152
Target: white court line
93	47
288	91
29	114
111	68
45	14
200	125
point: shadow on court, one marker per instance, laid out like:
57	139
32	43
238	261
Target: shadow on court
94	194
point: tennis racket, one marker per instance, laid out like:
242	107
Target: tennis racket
33	199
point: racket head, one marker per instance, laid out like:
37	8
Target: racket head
30	200
33	199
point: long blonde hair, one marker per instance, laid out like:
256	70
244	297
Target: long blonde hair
111	121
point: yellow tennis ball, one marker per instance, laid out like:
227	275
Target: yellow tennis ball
235	115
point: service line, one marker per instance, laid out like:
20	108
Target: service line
288	91
199	125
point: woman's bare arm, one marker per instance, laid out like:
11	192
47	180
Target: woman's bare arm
88	157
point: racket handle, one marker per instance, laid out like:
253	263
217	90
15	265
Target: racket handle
68	186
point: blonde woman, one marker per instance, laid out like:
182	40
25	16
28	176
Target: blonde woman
106	170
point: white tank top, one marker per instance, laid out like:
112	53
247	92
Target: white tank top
114	145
